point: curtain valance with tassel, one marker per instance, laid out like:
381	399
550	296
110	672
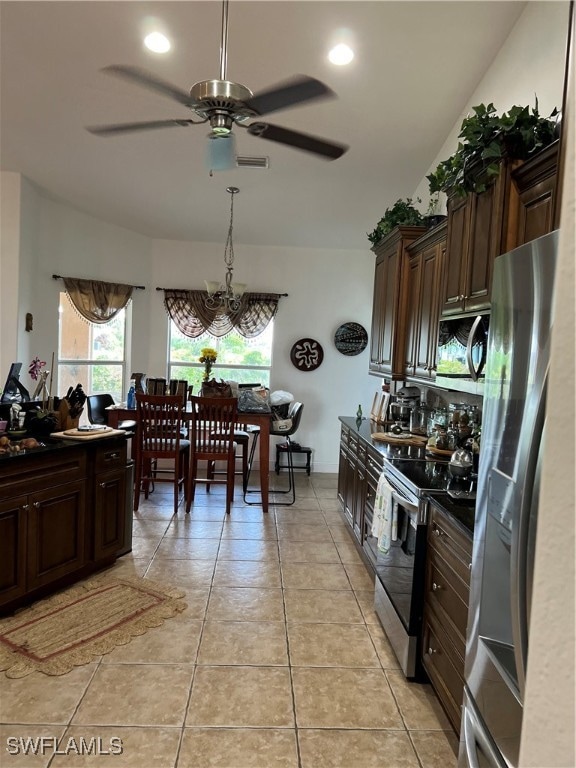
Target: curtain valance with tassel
97	301
189	312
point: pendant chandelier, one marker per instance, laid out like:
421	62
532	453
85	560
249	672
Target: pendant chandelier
227	296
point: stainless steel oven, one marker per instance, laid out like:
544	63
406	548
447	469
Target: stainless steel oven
400	573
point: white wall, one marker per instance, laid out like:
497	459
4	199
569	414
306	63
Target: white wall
326	288
530	64
10	189
550	710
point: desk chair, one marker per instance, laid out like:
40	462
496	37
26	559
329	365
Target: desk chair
212	437
97	413
159	438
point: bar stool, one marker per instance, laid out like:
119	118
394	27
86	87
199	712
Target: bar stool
295	413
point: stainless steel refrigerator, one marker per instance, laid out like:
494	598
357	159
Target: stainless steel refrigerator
507	504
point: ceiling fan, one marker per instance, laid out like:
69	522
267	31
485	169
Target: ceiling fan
225	104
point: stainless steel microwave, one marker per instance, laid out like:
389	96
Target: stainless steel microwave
461	353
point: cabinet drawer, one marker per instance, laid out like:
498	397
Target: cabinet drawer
110	457
444	667
450	543
34	473
447	595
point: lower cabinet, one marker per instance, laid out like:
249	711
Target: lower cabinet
56	533
62	515
446	610
359	470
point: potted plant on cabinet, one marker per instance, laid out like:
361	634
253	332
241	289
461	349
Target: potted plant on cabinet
487	139
401	214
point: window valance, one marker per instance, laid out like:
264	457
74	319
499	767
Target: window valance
96	301
189	312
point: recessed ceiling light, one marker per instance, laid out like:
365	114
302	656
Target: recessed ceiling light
157	42
341	54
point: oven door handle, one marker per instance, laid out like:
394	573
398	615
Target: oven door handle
399	498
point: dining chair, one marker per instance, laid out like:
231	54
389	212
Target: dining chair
212	423
159	438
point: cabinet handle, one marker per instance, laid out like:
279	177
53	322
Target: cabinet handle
431	650
102	485
461	297
112	456
25	507
37	505
438	532
436	587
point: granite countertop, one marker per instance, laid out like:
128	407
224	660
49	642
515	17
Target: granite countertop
366	428
461	511
48	444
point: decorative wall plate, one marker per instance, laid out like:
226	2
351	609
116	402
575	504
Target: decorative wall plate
306	355
351	339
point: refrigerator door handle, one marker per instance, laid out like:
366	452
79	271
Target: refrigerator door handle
475	740
520	577
474	372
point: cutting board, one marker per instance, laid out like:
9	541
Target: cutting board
74	434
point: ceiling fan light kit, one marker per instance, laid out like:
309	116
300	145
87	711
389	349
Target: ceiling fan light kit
225	104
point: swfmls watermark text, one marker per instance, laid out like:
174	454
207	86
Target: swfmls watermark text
72	745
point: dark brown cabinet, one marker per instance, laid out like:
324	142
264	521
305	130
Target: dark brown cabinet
446	610
63	515
425	269
56	533
109	499
390	303
534	184
359	471
477	233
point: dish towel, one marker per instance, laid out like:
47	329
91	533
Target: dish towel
385	519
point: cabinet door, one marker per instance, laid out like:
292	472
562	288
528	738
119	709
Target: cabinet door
426	340
56	533
12	548
415	289
392	328
486	242
457	249
380	276
109	513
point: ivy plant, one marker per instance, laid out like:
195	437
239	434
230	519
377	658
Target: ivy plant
486	139
402	213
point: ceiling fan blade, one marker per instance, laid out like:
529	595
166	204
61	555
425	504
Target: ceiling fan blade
289	93
148	80
328	149
117	128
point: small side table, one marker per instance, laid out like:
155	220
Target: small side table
283	448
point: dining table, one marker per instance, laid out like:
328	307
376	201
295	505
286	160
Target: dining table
118	413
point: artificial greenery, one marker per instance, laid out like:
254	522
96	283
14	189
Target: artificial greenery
402	213
487	138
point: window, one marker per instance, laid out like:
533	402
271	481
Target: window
91	354
239	359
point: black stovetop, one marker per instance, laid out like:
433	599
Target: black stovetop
429	475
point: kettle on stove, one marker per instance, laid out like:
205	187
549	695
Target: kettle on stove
461	461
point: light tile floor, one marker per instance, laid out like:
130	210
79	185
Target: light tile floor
279	661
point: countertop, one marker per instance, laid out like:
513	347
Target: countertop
462	512
48	445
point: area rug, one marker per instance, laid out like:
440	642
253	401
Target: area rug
83	622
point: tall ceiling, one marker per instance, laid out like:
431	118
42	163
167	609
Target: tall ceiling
416	65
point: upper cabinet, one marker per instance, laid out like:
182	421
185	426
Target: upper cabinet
477	233
426	269
534	186
390	303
